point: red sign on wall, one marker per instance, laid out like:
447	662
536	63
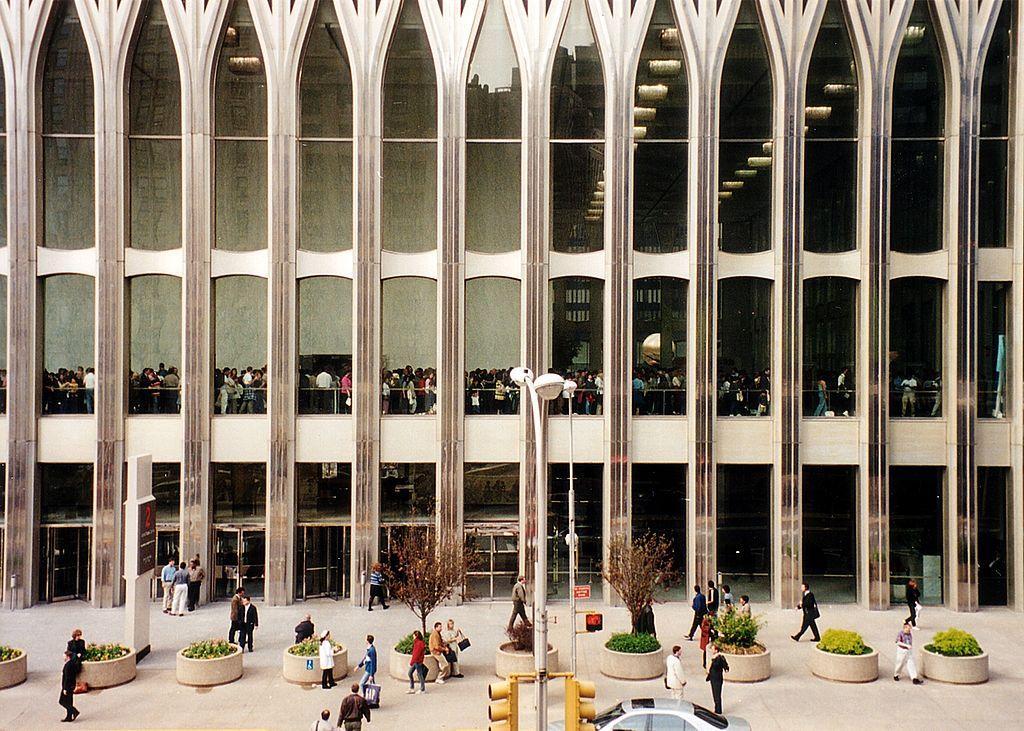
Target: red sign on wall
581	592
147	537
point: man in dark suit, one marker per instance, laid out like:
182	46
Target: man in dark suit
250	621
811	614
68	679
712	597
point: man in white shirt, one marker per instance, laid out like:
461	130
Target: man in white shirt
89	382
674	679
909	395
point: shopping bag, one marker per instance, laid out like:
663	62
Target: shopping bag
464	643
371	693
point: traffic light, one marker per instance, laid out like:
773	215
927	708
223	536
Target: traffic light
503	711
579	706
595	621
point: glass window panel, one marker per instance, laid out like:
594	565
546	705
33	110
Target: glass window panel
407	492
325	201
659	346
409	197
68	312
154	92
410	85
67	75
323	491
68	194
492	323
155	193
167	491
993	177
325	345
993	349
577	197
65	493
240	92
915	347
829	504
577	85
588	483
239	344
916	196
577	326
830	196
494	89
918	91
916	533
744	196
3	492
659	507
239	492
3	347
744	535
832	93
3	182
830	346
993	543
154	378
659	197
996	80
661	95
491	492
744	346
241	195
746	95
408	345
325	87
492	197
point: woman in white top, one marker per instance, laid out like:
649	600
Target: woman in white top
326	661
452	636
674	680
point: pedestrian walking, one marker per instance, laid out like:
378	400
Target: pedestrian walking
913	597
454	638
354	709
700	608
196	577
304	629
809	607
712	599
167	583
326	661
369	665
675	681
377	590
68	680
439	650
518	602
416	666
323	723
180	582
250	621
235	613
716	676
905	655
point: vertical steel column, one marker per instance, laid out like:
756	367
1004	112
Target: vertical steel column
1015	233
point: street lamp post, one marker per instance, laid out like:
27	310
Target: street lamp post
544	388
569	390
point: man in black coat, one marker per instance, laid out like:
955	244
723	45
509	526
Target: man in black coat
304	629
250	621
716	676
68	679
712	600
811	614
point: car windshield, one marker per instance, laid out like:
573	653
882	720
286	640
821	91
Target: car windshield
608	715
710	717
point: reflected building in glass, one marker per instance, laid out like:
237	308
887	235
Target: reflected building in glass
292	250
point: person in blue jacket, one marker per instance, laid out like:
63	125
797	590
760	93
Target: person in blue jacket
368	664
700	608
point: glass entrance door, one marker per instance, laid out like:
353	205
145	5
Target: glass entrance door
323	554
65	564
497	563
240	560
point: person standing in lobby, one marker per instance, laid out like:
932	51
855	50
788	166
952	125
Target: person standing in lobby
167	582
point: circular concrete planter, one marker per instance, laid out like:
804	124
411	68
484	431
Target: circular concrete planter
296	669
13	672
398	666
845	668
108	673
508	661
749	668
631	665
958	670
204	673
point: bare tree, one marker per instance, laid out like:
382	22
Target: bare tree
425	569
640	570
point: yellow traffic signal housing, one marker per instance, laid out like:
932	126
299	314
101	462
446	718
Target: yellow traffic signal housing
579	706
503	710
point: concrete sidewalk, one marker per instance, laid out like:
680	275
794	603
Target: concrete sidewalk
792	698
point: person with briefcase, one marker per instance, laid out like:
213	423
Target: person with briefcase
456	642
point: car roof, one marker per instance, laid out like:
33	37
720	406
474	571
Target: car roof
660	704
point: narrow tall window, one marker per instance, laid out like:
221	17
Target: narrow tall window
325	345
996	83
577	340
915	347
239	325
993	349
154	344
659	346
240	145
68	153
830	346
918	127
68	313
492	344
745	147
744	346
3	157
154	136
408	345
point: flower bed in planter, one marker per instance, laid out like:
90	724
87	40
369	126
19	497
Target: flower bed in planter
508	660
13	666
842	656
301	663
749	660
954	656
208	662
399	657
632	657
106	666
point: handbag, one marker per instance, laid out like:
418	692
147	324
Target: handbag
464	644
81	687
371	693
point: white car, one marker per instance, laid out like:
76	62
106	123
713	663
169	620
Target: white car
661	714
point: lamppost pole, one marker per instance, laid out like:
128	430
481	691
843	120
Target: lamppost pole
570	389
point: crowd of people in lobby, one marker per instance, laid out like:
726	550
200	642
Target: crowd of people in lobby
740	394
240	392
69	391
154	391
913	394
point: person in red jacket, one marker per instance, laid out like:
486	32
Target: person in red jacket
416	666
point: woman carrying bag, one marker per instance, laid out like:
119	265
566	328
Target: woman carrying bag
456	642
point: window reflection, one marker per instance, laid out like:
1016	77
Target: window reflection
154	378
587	480
407	492
830	346
238	492
744	346
658	497
68	331
993	352
491	492
915	347
993	145
325	345
240	345
408	345
993	541
577	341
659	346
492	345
323	491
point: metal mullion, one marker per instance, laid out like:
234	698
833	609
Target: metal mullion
324	139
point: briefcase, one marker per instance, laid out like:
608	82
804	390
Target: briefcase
464	644
371	693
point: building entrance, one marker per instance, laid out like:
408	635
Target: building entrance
323	554
239	560
497	561
64	564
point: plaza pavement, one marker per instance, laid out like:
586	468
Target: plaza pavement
791	699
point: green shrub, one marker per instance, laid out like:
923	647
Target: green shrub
633	644
208	650
404	645
8	653
843	642
311	648
736	630
99	653
954	643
